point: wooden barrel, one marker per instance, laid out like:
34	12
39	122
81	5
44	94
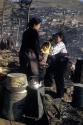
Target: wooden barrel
16	81
14	95
77	99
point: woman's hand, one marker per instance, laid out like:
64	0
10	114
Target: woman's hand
40	58
72	67
43	64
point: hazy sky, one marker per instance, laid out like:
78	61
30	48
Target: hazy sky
81	0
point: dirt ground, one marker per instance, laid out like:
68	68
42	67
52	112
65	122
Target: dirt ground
57	111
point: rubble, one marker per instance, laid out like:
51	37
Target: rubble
53	20
8	61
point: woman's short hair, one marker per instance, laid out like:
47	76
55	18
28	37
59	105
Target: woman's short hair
34	21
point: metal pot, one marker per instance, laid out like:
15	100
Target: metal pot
34	82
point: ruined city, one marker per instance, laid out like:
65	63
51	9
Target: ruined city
15	87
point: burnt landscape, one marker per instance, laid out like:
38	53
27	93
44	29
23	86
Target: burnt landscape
56	15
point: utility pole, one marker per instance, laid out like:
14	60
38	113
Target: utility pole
3	9
24	5
28	14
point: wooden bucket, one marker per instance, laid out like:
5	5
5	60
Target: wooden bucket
14	95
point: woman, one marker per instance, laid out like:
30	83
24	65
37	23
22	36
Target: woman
29	51
59	62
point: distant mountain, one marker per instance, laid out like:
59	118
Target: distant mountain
71	4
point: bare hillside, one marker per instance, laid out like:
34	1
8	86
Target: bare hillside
71	4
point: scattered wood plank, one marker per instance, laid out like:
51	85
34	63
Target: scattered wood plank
7	122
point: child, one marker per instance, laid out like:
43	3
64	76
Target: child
44	52
57	68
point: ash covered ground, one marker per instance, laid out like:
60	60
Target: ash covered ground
69	21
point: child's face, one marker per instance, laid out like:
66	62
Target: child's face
58	39
45	47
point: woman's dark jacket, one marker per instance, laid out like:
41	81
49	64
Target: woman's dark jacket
30	42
